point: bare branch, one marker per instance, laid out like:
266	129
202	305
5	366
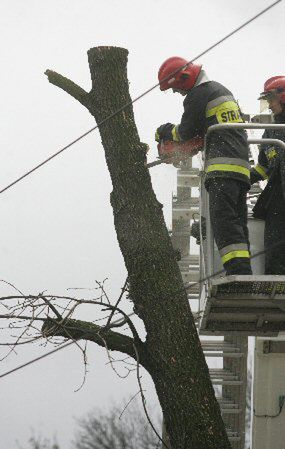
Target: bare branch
69	86
92	332
12	285
21	317
51	306
30	302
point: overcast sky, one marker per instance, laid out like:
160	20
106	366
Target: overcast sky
56	226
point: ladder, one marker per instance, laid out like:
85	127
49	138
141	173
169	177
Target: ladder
230	378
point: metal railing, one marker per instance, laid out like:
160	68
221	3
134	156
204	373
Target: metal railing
207	264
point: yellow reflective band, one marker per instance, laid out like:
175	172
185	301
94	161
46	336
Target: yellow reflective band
228	167
157	137
228	111
261	171
175	134
271	154
233	254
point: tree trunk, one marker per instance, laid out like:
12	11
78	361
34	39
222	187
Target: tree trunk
173	354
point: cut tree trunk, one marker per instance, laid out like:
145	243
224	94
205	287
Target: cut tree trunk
172	352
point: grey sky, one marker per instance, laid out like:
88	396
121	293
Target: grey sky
56	226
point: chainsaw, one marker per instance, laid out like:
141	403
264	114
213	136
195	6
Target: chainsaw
173	152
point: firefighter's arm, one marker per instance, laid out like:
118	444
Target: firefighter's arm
259	171
192	122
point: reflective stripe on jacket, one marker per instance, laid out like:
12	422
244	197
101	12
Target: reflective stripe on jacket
227	153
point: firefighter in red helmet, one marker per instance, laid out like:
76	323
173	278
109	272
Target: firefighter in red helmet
227	166
270	205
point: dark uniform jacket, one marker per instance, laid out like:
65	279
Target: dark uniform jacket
227	150
271	167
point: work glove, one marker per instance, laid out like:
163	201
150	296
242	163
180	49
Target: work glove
196	232
163	132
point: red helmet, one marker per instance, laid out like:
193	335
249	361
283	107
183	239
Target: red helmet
178	73
274	85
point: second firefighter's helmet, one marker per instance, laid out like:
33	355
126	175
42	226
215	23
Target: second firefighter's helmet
177	73
274	86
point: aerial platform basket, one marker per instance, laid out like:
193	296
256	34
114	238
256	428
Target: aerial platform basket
240	304
250	305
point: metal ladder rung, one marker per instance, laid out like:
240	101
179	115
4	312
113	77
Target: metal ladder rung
229	406
234	411
190	275
194	295
221	371
188	178
231	432
191	258
185	213
193	287
180	229
234	437
186	202
219	346
227	382
232	355
188	171
225	401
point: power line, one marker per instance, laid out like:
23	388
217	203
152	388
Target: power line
36	359
137	98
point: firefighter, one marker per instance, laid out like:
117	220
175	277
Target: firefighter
270	205
227	169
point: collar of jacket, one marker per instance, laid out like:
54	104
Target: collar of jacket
202	78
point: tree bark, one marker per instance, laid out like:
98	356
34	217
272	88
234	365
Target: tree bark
172	352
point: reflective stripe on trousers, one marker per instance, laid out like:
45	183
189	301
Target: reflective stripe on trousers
232	251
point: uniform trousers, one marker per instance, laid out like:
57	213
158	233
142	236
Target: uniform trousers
274	234
228	215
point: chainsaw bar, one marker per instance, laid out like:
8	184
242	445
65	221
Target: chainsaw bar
154	163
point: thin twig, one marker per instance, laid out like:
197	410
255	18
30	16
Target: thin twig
101	285
110	358
117	303
143	399
128	403
85	368
13	286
